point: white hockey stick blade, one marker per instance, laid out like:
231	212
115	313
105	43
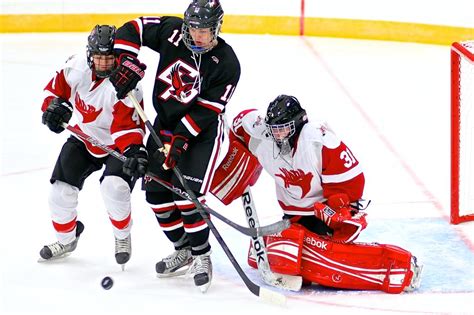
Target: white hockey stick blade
272	297
285	282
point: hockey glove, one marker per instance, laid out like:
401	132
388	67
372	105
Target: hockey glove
346	222
174	146
137	161
127	74
59	111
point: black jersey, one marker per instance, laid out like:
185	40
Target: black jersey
190	90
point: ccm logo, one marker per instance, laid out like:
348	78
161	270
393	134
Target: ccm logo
317	243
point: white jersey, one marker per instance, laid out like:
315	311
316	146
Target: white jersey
96	108
318	166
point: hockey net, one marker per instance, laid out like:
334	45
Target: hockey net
462	132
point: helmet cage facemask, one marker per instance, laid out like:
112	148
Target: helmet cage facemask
281	134
99	73
215	28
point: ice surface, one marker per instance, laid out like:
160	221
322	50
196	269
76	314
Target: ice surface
388	101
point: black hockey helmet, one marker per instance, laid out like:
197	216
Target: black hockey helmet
202	14
100	42
284	120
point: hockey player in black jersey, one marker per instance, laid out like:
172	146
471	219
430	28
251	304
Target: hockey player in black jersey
196	76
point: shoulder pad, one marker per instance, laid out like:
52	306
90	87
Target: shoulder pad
320	133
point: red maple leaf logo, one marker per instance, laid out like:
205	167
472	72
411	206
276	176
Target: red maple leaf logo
296	178
88	112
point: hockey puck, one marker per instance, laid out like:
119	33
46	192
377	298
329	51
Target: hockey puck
107	283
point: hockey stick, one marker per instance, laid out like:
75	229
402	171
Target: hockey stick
253	232
281	281
263	293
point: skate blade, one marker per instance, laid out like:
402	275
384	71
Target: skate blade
42	260
177	273
122	266
203	288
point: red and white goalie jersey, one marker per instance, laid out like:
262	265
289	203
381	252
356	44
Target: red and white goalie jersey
97	110
320	164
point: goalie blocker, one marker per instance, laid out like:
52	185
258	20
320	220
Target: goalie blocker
238	170
299	252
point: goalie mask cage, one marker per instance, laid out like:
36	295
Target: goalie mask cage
462	132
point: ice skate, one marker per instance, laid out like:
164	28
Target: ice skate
58	250
417	269
202	270
123	250
176	264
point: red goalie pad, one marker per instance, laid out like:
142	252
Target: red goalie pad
360	266
238	170
283	250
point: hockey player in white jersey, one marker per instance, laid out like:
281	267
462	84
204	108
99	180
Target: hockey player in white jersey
319	185
82	88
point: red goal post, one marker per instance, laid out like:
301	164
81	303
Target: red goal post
462	132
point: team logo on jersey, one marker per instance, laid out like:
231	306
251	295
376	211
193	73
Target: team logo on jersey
296	178
258	121
147	179
88	112
181	79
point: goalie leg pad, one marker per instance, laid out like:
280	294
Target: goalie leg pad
238	170
284	251
359	266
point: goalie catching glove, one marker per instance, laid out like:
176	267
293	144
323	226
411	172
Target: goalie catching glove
345	221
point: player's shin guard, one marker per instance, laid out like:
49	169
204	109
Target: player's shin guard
195	227
168	217
116	195
62	204
198	235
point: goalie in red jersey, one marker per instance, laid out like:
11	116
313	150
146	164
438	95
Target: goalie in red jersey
319	185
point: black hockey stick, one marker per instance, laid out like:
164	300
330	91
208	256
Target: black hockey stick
255	289
252	232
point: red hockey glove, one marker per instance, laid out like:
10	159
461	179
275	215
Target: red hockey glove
174	146
127	74
346	222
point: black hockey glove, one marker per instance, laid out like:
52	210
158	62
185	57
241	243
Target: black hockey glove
127	74
59	111
174	146
137	160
